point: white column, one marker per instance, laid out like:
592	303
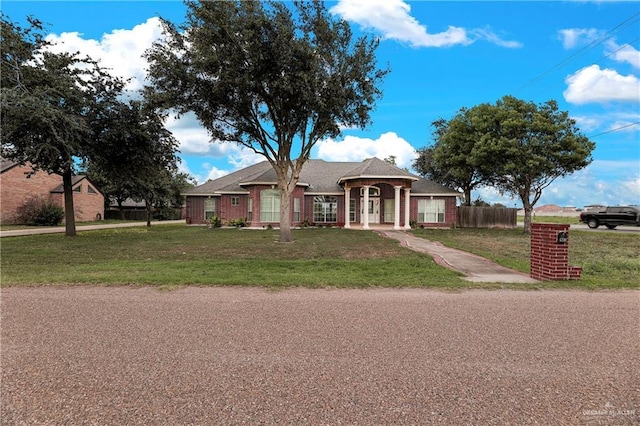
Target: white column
365	210
347	203
407	207
396	207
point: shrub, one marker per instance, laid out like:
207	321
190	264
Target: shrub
39	212
214	222
238	223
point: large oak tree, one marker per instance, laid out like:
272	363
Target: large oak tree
136	156
526	146
518	147
47	103
269	77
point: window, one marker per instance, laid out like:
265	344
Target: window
296	209
431	211
209	208
77	188
373	191
389	210
325	209
352	210
250	209
235	200
269	205
90	190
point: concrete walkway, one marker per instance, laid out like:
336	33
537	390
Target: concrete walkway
475	268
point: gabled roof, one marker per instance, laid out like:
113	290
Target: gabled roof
376	168
319	176
74	181
231	182
6	165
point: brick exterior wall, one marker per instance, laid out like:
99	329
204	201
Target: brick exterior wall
87	205
16	188
550	258
450	212
226	211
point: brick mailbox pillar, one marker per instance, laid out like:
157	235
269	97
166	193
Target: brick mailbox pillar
550	253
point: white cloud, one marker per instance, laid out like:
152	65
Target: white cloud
592	84
588	123
573	37
602	182
625	53
120	51
354	148
490	36
392	18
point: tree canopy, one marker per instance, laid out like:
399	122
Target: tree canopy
137	154
450	160
59	110
269	77
47	101
518	147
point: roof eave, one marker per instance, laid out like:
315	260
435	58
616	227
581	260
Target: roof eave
345	178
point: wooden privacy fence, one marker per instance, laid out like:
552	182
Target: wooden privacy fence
487	217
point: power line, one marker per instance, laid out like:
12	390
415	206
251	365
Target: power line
591	45
624	45
616	129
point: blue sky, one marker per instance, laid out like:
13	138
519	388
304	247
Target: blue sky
443	56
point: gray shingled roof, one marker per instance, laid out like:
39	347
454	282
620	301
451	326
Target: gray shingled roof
374	168
320	176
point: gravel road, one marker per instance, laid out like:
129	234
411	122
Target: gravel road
125	356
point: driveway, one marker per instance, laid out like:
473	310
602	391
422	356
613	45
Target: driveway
126	355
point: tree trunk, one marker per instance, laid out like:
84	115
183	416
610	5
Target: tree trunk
285	215
120	211
528	209
69	213
467	197
148	202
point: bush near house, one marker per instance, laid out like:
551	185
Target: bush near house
39	211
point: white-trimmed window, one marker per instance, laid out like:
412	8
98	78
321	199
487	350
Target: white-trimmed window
431	211
352	210
270	205
250	209
209	208
374	191
389	210
235	200
296	209
325	209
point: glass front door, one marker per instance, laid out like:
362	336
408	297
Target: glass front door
373	211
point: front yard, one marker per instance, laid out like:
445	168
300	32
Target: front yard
175	255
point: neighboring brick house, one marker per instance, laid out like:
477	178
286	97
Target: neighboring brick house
19	183
393	196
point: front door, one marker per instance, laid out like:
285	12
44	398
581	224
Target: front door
374	210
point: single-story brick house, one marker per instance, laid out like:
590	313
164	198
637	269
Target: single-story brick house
18	183
393	196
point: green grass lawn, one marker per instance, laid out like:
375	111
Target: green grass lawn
175	255
608	259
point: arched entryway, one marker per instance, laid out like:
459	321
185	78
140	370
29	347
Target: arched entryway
374	206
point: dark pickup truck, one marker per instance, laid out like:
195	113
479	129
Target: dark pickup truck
611	216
